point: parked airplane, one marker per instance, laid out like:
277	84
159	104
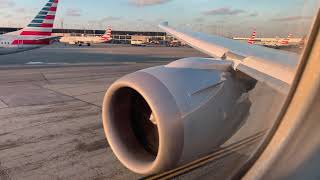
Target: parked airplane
88	40
159	118
36	35
285	41
279	43
276	43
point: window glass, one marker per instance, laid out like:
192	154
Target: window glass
55	70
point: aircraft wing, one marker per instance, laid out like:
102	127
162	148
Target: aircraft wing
274	67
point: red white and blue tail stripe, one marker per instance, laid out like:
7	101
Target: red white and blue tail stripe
40	28
251	40
107	35
42	24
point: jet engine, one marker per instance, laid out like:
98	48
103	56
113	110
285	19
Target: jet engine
161	117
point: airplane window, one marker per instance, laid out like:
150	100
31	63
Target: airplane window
151	89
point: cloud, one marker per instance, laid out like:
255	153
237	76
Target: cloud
21	10
110	18
25	11
105	20
6	3
224	11
27	17
8	16
74	12
255	14
291	18
147	2
199	19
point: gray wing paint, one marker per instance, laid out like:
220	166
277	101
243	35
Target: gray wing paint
274	67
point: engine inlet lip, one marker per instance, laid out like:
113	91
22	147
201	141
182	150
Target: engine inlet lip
170	129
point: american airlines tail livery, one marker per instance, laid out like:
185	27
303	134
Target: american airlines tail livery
251	40
107	36
36	35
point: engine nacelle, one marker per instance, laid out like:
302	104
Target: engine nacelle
161	117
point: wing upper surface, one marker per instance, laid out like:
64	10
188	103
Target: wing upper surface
275	67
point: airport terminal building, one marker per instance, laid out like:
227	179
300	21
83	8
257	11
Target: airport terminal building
118	37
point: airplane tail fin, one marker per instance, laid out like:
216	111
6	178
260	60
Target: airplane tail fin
254	34
42	24
107	34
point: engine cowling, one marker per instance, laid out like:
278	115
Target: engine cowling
161	117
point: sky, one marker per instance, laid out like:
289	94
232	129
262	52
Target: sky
222	17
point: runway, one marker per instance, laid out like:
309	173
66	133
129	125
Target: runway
50	109
51	123
50	112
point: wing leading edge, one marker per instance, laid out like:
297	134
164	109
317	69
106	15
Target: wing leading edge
274	67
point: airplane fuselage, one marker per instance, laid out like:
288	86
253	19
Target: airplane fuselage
35	35
15	43
82	40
